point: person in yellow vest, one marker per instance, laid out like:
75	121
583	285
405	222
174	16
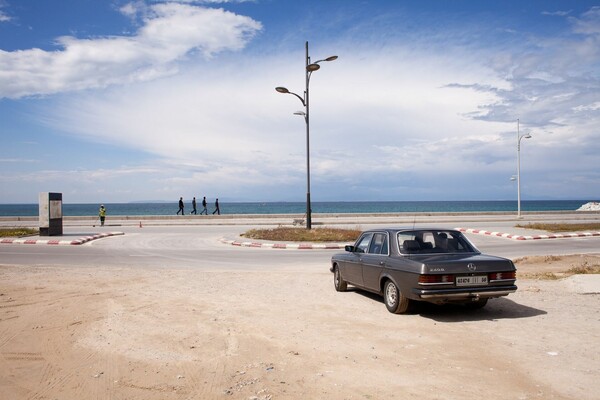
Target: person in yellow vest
102	214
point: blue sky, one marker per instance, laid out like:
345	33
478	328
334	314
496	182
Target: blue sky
117	101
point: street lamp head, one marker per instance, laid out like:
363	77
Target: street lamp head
300	113
331	58
528	136
312	67
282	89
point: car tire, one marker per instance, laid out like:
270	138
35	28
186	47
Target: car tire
340	284
475	305
394	300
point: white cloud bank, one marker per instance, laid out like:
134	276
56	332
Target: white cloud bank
170	31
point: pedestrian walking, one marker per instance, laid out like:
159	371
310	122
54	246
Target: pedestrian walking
180	206
194	206
217	209
204	211
102	214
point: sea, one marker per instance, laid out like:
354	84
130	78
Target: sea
339	207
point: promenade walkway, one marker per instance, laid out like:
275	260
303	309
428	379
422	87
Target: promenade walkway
462	219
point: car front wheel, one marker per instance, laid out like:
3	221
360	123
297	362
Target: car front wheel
395	301
340	284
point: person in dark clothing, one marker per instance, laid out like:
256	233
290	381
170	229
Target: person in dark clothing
194	206
217	210
204	211
180	206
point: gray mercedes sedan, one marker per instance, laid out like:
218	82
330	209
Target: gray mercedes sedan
433	265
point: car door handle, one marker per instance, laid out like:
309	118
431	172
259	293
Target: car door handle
382	263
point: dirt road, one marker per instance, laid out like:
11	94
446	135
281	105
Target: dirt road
108	333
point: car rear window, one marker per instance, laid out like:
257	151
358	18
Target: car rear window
433	241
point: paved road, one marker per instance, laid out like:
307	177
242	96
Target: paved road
163	246
198	246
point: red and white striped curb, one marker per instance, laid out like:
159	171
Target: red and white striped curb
295	246
529	237
58	242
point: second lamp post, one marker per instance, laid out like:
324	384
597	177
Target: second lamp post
310	68
519	138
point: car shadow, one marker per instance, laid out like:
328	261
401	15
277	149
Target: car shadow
499	308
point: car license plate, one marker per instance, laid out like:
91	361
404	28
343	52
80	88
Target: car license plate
471	280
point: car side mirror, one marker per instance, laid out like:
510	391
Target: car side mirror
349	248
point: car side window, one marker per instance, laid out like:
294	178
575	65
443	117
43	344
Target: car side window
363	243
384	246
379	244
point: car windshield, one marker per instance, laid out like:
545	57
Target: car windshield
433	241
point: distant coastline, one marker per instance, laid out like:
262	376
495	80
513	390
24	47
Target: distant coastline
340	207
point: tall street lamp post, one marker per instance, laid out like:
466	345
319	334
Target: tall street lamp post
519	137
309	69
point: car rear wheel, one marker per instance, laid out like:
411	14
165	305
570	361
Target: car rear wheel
340	284
395	301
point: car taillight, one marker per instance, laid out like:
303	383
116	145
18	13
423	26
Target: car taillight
425	279
496	276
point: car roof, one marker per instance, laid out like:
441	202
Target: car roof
411	229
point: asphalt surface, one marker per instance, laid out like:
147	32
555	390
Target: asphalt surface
196	242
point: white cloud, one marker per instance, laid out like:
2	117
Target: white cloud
557	13
134	9
18	160
4	17
554	85
169	33
212	1
588	23
588	107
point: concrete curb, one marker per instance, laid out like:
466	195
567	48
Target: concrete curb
529	237
293	246
56	242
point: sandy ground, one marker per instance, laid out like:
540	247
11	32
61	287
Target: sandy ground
107	333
